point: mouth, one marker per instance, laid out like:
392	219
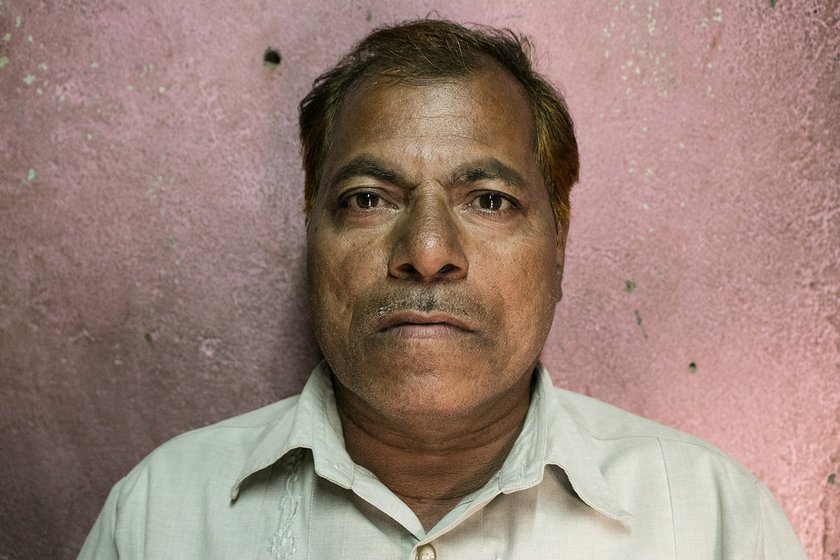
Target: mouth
422	325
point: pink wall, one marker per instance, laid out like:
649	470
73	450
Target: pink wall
151	240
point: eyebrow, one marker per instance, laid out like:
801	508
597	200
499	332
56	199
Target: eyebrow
366	166
471	172
489	169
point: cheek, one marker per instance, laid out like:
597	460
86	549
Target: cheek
527	287
339	272
328	305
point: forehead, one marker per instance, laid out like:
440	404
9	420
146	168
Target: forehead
488	109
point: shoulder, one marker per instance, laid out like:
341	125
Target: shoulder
210	456
680	486
182	487
616	432
238	433
647	458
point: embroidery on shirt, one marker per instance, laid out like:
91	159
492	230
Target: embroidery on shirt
283	541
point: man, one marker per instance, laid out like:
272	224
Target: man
438	169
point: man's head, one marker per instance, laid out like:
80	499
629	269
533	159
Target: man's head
427	51
434	248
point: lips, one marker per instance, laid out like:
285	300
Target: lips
421	321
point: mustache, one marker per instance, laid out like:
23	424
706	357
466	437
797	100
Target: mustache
425	300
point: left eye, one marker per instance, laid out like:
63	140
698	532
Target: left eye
493	201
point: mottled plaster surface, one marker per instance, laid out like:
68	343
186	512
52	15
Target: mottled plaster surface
151	272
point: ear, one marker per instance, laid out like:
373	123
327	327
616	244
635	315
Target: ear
560	256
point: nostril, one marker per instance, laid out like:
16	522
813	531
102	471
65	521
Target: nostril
446	268
408	268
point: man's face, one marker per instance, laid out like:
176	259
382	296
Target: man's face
433	259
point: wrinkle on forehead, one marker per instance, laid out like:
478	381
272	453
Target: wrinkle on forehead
444	99
433	113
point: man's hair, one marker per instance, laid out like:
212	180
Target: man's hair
426	51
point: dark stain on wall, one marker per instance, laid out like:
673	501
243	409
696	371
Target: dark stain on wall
829	506
272	57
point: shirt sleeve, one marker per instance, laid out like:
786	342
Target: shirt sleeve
777	540
101	543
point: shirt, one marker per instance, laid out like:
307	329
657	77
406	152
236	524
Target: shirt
583	480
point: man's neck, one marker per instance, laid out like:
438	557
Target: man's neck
432	463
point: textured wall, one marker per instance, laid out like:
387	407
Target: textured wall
151	274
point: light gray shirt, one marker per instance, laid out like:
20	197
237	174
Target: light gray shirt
584	480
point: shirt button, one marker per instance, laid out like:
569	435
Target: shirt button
426	552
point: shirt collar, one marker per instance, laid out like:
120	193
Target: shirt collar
549	437
313	424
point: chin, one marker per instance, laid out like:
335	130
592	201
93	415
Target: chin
419	390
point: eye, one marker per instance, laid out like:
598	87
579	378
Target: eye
494	202
363	200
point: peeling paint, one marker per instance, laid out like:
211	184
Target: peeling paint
155	187
7	37
29	79
18	21
648	65
31	175
4	60
43	67
651	20
209	346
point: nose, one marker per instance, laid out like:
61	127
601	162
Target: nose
428	243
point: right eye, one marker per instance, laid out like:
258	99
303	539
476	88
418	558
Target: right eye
364	200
